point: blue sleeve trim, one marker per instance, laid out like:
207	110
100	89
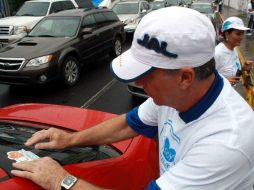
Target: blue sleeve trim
153	186
137	125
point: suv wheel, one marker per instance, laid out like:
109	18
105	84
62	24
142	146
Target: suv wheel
117	48
70	71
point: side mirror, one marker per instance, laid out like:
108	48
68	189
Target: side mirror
143	11
87	31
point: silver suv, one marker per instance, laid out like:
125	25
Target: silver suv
30	13
130	12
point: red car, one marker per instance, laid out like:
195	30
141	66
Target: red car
126	165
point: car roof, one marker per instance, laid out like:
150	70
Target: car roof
130	1
79	12
202	3
45	0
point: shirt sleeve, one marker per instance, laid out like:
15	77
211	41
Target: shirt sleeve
143	119
153	186
209	167
224	61
249	7
219	59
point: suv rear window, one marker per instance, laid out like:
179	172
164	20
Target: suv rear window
60	6
126	8
111	16
84	3
33	9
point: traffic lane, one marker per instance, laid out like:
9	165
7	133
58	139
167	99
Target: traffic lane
89	92
116	99
93	77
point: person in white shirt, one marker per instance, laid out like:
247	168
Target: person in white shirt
250	12
226	55
205	128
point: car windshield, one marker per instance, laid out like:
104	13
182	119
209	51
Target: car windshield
56	27
203	8
14	135
172	2
33	9
157	4
126	8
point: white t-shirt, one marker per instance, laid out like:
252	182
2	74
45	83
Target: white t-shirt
208	147
249	8
227	61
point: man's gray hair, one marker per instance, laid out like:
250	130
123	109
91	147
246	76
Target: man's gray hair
202	72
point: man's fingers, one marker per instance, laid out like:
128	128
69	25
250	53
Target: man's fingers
24	174
25	165
45	145
38	137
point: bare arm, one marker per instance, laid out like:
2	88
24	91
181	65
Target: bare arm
48	174
110	131
106	132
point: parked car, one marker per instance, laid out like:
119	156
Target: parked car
130	12
136	91
59	45
157	4
115	166
206	7
186	3
172	3
30	13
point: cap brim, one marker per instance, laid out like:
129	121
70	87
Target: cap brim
237	28
241	28
127	69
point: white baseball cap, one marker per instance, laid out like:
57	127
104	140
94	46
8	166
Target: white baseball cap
168	38
233	22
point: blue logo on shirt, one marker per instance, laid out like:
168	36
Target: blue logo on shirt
172	133
168	153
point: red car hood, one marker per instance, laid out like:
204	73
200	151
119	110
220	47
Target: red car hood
60	116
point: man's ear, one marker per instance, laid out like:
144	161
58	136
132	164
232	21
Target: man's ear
186	78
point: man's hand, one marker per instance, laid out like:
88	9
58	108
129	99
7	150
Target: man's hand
45	172
233	80
50	139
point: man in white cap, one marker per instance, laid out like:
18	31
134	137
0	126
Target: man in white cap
205	129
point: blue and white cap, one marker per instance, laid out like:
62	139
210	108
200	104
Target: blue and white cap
233	22
168	38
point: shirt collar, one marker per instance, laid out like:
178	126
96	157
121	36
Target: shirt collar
197	110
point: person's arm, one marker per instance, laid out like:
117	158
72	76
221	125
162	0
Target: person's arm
48	174
107	132
250	9
233	80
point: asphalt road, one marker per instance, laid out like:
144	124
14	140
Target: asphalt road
96	90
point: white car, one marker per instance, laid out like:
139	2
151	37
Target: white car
131	12
136	91
31	12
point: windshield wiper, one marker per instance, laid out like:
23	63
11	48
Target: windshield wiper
27	14
45	35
